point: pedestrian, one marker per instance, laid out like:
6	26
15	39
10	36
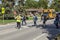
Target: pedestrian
18	19
24	20
44	20
35	20
56	22
59	20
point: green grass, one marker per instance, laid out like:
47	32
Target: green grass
30	18
10	21
7	21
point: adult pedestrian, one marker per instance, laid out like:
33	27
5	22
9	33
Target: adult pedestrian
57	20
18	20
24	20
44	20
35	20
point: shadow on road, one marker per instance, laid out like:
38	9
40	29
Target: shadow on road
51	30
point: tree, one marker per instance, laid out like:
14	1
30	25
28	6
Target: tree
31	4
55	5
43	3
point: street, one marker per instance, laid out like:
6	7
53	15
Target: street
29	32
41	18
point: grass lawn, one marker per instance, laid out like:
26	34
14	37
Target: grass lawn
10	21
7	21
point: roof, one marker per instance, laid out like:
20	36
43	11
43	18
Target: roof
37	10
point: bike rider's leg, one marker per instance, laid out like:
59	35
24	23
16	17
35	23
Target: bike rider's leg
19	25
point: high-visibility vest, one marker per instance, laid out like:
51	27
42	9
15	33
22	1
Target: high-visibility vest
18	18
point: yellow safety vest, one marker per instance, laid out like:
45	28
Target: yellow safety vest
18	19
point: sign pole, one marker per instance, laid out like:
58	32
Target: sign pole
3	11
3	18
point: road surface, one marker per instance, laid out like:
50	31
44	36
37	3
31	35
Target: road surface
29	32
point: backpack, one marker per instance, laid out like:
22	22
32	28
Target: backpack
36	18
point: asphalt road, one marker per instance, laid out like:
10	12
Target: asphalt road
29	32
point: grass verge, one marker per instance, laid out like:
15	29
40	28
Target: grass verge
7	21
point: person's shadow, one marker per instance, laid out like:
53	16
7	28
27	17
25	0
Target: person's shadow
51	29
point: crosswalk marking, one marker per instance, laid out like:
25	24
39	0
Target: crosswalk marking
40	36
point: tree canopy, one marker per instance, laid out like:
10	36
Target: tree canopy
55	5
43	3
35	4
31	4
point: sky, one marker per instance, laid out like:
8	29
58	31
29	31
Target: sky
0	2
49	2
36	0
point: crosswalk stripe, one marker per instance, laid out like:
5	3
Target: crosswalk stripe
40	36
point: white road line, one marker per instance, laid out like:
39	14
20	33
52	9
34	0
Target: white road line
39	36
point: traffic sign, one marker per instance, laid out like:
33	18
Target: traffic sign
3	10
